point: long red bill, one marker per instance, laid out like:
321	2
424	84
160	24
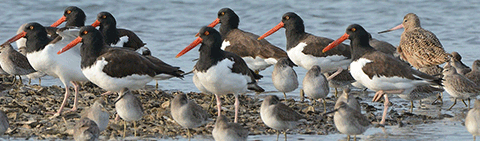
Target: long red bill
15	38
271	31
336	43
96	23
59	21
70	45
189	47
392	29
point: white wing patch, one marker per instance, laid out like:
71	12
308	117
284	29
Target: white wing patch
328	64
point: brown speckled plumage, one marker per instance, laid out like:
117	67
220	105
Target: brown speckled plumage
420	47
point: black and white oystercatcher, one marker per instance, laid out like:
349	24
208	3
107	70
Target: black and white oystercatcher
378	71
114	69
305	49
116	37
220	72
258	54
73	16
41	53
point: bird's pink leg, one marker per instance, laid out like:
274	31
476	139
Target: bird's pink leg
76	87
219	104
237	104
67	92
385	110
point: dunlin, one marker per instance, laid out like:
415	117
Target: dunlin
187	113
474	75
279	116
284	78
13	62
129	108
98	113
458	86
472	121
349	121
86	130
227	131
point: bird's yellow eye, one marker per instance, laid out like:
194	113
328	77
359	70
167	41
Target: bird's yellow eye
287	17
206	33
223	13
85	32
103	17
354	29
69	11
31	27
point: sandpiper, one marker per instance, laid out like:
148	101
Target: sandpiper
284	77
349	121
348	98
472	121
474	75
227	131
86	130
98	113
129	108
458	86
13	62
419	93
279	116
315	85
456	61
187	113
3	122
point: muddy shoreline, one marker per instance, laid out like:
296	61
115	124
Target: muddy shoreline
26	107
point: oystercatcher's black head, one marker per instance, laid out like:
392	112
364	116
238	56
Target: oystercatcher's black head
228	16
34	29
290	21
90	34
74	17
209	37
357	33
104	19
90	37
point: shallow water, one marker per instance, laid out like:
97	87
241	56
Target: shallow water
169	26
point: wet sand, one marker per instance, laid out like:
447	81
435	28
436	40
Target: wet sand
26	107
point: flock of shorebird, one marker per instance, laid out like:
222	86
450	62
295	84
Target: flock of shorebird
230	59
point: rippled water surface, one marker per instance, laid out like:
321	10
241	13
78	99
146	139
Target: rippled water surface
168	26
